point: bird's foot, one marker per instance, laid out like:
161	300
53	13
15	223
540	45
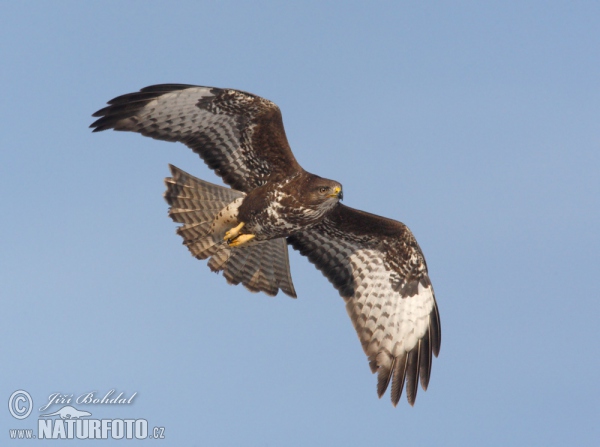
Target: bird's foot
235	239
240	240
234	232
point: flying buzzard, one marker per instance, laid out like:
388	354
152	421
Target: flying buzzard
375	263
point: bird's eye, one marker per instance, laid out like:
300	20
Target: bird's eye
323	189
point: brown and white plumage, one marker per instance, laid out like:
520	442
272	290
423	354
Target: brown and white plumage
237	134
262	267
374	262
378	268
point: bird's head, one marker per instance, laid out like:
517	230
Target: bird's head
324	192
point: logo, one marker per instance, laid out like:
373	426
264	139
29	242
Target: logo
68	412
16	407
69	422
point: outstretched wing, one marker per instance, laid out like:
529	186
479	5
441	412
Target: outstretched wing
238	134
378	268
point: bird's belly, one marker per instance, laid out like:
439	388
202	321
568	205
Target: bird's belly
272	223
265	231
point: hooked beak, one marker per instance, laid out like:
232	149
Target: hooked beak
337	192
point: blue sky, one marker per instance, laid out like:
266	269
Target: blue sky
475	124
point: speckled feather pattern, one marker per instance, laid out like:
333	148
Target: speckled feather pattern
375	263
389	299
237	134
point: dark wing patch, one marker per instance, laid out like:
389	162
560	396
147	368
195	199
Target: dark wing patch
378	268
238	134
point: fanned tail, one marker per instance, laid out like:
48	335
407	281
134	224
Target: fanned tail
206	211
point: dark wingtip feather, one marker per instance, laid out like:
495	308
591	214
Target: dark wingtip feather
290	293
127	105
425	359
412	374
436	330
398	380
166	87
383	379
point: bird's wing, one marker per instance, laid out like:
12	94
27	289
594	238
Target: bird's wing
238	134
378	268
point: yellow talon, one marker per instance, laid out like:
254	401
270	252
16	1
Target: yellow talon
240	240
234	232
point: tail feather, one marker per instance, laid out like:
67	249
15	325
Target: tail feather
266	272
234	270
203	247
253	272
261	266
281	266
219	259
194	230
193	187
194	214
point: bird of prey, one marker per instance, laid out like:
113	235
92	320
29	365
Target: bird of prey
375	263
